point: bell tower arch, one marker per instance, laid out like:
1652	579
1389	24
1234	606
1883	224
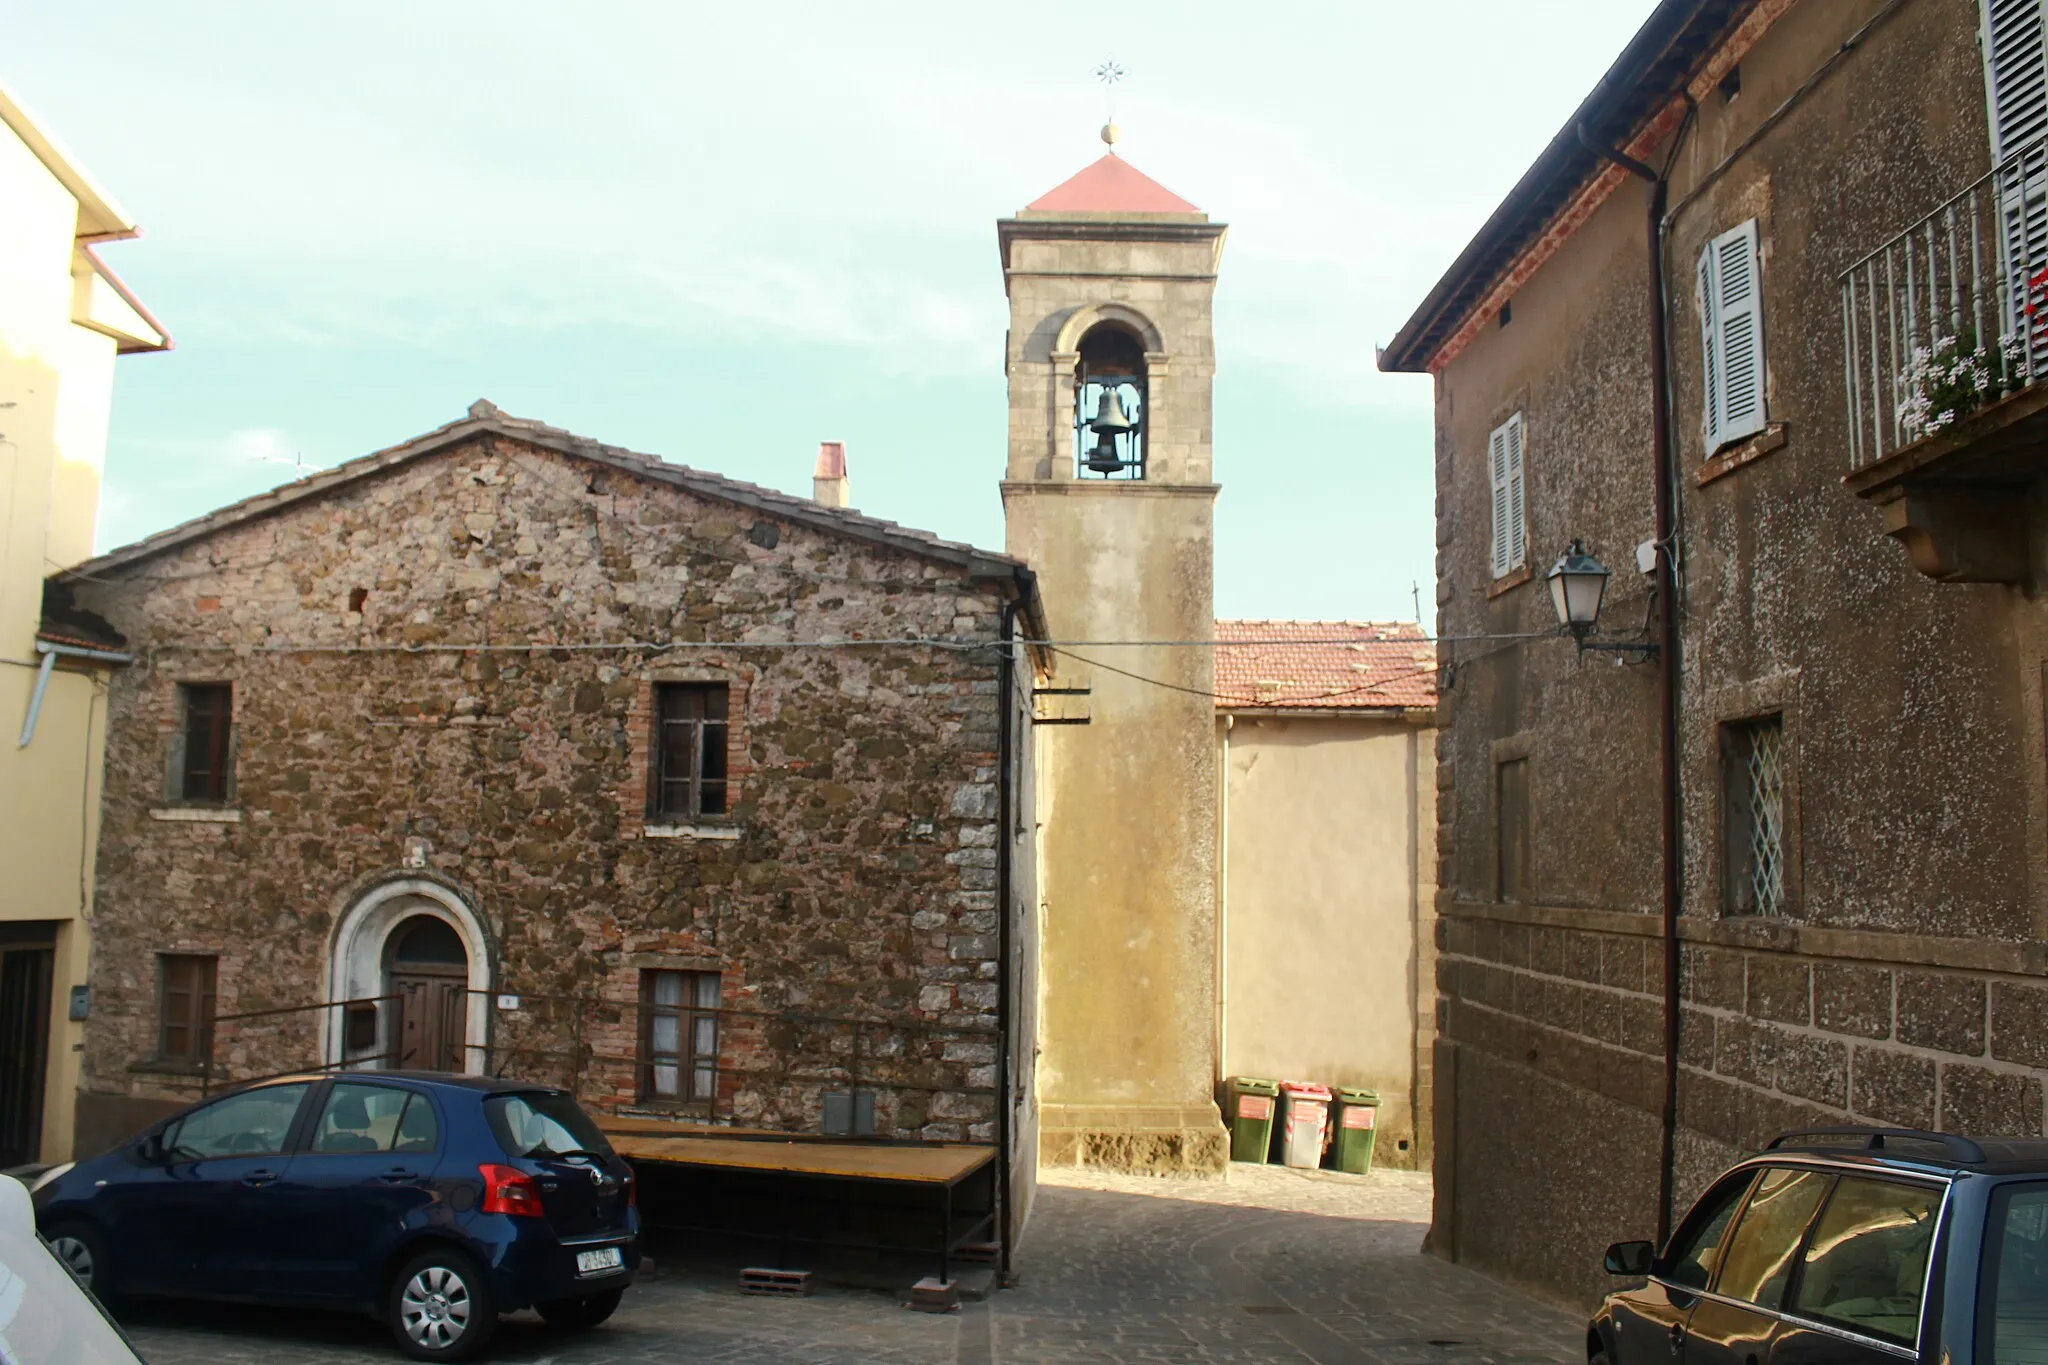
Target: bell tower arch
1109	496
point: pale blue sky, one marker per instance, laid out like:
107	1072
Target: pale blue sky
721	233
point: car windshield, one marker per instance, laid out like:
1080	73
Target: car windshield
543	1123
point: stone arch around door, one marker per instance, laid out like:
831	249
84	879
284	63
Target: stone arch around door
360	963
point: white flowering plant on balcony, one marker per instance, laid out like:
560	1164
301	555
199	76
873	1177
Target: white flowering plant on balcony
1953	377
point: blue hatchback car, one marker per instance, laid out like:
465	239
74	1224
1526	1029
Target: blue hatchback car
435	1202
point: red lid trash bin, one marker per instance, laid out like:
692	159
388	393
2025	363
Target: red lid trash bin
1305	1121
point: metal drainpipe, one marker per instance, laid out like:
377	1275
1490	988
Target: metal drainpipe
51	653
1006	701
1223	910
1667	672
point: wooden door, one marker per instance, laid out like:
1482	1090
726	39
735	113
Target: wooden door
24	1050
433	1011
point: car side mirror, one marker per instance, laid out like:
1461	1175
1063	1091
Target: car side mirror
151	1148
1631	1258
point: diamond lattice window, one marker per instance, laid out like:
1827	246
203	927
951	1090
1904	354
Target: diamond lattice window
1753	801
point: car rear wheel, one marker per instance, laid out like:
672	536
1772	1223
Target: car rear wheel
79	1247
440	1306
579	1313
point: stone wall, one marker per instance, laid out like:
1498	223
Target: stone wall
428	684
1901	982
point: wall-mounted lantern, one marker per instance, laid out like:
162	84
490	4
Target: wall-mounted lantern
1578	583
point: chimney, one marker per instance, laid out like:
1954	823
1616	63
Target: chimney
828	480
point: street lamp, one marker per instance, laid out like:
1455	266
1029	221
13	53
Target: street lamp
1578	582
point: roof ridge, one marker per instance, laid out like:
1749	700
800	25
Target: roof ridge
485	417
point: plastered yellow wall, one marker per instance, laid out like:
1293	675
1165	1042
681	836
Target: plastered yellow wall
56	387
1329	894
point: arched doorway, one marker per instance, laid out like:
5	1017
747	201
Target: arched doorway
413	946
427	968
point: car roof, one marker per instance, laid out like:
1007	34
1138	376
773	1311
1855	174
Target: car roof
1914	1149
446	1080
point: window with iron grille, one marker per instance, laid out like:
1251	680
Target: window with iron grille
184	1006
688	777
678	1035
204	762
1511	828
1753	816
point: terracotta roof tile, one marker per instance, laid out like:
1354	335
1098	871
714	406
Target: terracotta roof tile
1324	665
1110	185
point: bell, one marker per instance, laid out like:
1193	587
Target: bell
1103	459
1109	415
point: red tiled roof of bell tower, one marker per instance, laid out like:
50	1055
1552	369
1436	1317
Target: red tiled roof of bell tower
1110	185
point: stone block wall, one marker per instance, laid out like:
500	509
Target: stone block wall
444	671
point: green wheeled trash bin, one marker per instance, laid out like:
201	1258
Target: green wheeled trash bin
1251	1118
1358	1114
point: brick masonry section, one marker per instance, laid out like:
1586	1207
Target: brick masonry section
854	874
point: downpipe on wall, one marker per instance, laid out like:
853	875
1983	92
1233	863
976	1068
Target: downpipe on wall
1006	834
1667	654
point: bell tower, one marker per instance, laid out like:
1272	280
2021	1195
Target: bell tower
1108	496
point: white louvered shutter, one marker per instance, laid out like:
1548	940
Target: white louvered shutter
1518	540
1504	464
1498	465
2016	79
1732	337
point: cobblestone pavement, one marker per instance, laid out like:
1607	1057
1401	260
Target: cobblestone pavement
1270	1266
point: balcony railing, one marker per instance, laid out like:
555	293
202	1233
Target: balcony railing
1951	314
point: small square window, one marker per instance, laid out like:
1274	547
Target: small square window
185	994
1753	816
688	763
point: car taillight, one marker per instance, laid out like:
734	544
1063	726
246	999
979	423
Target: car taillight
507	1189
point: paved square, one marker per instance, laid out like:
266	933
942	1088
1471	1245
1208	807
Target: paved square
1269	1266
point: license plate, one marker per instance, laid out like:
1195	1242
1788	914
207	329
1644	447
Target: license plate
598	1261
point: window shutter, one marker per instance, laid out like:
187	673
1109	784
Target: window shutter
174	771
1518	539
2015	74
1732	337
2016	88
1710	422
1497	463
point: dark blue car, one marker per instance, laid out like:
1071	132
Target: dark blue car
434	1202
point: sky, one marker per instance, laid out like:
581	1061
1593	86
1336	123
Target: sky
723	233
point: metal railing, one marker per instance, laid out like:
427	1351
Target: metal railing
772	1069
1947	315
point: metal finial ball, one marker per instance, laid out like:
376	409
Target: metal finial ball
1110	133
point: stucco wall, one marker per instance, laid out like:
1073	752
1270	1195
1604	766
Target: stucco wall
1324	905
1901	983
56	385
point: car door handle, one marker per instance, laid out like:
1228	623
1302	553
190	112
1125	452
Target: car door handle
258	1178
398	1175
1677	1336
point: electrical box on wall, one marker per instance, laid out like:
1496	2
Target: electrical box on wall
81	1002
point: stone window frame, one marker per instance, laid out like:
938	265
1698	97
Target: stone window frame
640	717
1519	747
1730	705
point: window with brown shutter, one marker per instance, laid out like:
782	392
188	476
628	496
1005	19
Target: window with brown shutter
207	753
184	1008
688	762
